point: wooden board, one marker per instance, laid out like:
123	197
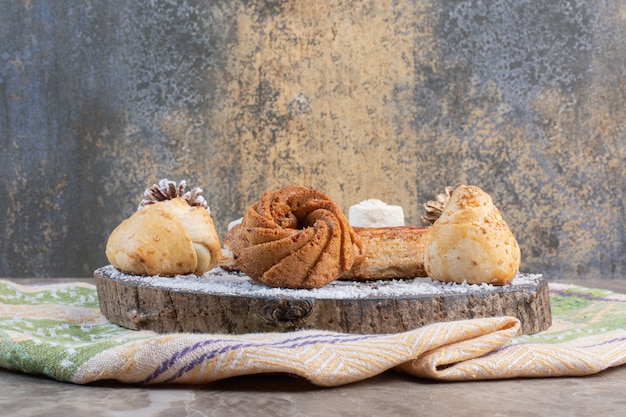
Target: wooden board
221	302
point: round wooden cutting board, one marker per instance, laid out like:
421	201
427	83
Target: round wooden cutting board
223	302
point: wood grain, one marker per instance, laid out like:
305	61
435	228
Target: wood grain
143	307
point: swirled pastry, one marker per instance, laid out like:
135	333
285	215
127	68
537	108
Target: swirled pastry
471	242
167	237
294	237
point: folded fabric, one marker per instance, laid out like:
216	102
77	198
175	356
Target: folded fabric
57	330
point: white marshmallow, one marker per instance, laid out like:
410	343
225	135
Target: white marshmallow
375	213
235	223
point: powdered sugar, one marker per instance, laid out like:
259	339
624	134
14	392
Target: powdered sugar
220	282
375	213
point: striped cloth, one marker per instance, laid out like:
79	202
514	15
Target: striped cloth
57	330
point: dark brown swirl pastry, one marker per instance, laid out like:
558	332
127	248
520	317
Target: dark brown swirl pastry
294	237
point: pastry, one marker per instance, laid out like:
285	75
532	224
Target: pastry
171	233
390	252
387	251
390	249
471	242
468	241
227	259
294	237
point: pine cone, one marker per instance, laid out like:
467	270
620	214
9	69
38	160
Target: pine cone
434	208
168	190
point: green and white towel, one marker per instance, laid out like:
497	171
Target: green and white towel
58	330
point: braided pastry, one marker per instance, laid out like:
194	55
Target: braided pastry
171	233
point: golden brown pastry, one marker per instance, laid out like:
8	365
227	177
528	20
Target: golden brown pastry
471	242
294	237
166	236
387	253
390	252
227	259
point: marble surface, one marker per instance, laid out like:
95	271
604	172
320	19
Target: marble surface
359	99
388	394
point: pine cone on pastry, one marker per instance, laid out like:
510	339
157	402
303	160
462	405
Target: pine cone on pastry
471	242
171	233
294	237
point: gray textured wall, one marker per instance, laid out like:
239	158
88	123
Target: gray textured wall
361	99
